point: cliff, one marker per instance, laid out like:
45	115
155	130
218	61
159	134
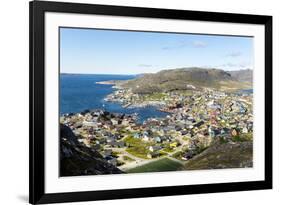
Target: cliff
77	159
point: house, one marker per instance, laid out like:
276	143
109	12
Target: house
161	132
190	86
179	127
198	124
87	142
214	131
109	139
189	122
114	122
224	131
119	144
157	139
90	124
245	130
145	133
136	135
187	156
153	155
234	132
91	130
125	122
154	148
211	132
145	138
173	145
91	137
210	103
78	125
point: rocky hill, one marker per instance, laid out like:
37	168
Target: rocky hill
238	155
77	159
242	75
183	79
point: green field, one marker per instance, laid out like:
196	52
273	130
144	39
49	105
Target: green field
160	165
137	147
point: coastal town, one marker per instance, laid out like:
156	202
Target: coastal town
195	119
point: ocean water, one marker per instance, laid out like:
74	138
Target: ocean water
79	92
246	91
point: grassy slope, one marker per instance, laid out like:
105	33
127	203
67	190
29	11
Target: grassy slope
137	147
242	75
178	79
226	155
160	165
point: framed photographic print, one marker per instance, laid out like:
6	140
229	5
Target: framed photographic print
140	102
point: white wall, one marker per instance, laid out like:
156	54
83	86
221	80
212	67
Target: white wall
14	100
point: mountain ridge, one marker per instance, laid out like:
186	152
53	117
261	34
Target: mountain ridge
243	75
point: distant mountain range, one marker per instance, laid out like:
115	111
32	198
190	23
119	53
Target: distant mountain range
189	78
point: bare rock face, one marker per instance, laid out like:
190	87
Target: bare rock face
76	159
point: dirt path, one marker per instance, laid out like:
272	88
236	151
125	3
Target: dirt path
135	164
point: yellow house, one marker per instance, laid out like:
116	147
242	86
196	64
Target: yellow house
174	145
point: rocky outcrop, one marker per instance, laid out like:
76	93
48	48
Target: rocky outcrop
76	159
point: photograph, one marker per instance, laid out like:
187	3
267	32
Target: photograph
133	101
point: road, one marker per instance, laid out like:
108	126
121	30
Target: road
140	161
129	165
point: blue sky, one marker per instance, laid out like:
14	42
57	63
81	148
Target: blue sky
126	52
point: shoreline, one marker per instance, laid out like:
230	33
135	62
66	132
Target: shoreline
109	82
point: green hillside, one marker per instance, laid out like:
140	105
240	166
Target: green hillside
227	155
160	165
184	79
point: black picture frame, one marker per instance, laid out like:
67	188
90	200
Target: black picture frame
37	194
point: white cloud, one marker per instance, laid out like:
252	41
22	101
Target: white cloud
183	44
145	65
234	54
180	44
199	44
241	65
